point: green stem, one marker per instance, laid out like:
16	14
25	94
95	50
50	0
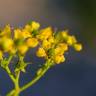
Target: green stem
16	91
15	80
17	88
8	70
45	69
10	74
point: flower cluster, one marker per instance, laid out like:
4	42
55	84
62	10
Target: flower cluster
55	44
51	45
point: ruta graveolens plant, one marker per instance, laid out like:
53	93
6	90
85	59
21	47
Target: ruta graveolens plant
50	45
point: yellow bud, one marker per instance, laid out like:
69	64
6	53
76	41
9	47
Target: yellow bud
12	50
71	40
74	39
35	25
46	44
17	34
22	49
64	34
6	31
45	33
6	43
32	42
51	39
59	59
78	47
60	49
28	28
41	52
63	46
26	34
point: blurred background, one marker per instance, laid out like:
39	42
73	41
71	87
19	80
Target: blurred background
77	76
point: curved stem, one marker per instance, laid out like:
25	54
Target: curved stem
17	88
46	67
16	91
15	80
10	74
8	70
11	93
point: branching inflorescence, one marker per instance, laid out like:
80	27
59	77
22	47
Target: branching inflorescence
50	45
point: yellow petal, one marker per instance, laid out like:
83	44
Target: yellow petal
26	34
46	45
78	47
32	42
17	34
41	52
35	25
59	59
22	49
45	33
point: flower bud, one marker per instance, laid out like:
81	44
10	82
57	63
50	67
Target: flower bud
41	52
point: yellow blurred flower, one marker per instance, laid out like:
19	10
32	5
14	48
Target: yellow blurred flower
63	46
74	39
59	59
60	49
45	33
46	45
22	49
41	52
6	43
32	42
28	28
78	47
64	34
51	39
26	34
71	40
6	31
12	50
17	34
35	25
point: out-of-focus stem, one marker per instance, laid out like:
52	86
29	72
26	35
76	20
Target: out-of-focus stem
45	69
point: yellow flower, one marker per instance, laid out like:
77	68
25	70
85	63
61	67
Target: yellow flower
12	50
28	28
6	31
64	34
46	45
41	52
51	39
1	55
35	25
6	43
78	47
32	42
45	33
22	49
63	46
17	34
71	40
26	34
60	49
74	39
59	59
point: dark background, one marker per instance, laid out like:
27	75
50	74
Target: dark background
77	76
